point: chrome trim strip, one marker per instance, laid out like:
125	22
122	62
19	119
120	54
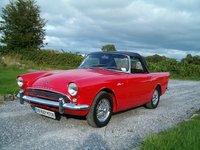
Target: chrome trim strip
129	64
54	104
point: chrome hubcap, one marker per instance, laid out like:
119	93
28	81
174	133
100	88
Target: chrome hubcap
155	97
103	110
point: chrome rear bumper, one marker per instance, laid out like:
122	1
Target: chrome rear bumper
60	104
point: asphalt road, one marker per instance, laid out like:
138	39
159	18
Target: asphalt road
21	128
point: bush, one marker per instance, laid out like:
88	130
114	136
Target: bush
52	59
181	70
2	64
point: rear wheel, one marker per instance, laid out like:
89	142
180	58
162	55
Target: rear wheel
101	110
155	99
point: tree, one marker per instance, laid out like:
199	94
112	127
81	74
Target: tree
191	59
21	25
156	58
108	47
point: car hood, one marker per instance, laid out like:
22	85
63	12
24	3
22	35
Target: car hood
57	80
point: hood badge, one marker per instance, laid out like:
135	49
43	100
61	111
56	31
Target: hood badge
45	86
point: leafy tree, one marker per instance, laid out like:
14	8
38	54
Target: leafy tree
108	47
188	68
21	25
191	59
156	58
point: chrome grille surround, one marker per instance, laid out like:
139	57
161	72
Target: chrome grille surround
45	94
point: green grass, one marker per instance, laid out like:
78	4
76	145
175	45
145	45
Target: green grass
186	136
8	83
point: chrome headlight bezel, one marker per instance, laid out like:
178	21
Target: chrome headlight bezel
20	81
72	89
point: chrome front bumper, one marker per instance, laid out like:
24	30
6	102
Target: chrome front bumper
60	104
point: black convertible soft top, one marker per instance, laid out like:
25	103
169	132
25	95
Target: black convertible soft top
131	54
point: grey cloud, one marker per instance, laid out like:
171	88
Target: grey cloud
138	23
154	26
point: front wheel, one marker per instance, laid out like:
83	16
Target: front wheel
101	110
155	99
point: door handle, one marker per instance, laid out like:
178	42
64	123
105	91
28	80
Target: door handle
120	84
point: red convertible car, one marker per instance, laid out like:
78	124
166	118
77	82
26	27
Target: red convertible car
104	83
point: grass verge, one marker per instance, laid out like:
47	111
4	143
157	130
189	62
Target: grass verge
7	80
183	137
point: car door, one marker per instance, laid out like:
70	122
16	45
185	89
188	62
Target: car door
139	83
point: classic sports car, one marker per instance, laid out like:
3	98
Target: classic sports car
104	83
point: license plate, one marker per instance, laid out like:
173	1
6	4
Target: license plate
45	112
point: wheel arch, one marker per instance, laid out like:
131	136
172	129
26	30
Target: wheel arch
159	88
112	94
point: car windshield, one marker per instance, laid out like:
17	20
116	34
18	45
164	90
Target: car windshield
116	62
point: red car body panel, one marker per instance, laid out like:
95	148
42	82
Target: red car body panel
127	90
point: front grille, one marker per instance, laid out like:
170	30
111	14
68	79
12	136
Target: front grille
49	95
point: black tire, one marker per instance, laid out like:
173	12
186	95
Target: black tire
155	99
93	118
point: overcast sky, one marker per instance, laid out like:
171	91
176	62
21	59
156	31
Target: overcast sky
170	28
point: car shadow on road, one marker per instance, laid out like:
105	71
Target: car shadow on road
130	112
74	117
94	142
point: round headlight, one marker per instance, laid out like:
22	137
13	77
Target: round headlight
20	81
72	89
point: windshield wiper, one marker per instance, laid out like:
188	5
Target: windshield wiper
98	65
113	68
